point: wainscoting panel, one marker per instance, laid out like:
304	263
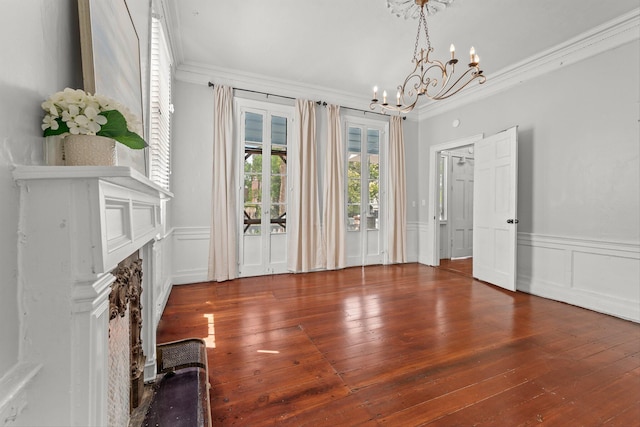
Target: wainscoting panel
601	276
412	241
190	254
424	245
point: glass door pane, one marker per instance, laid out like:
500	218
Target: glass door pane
278	188
253	174
354	178
373	161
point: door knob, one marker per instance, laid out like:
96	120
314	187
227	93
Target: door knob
512	221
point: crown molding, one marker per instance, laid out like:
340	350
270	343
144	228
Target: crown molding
617	32
171	19
203	74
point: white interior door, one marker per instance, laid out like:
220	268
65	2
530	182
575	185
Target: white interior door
461	208
495	210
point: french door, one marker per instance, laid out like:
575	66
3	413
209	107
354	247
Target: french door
265	137
365	193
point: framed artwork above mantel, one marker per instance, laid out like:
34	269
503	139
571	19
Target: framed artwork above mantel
111	63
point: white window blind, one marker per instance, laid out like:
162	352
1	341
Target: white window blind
161	108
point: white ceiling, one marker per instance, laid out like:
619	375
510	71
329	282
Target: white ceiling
348	46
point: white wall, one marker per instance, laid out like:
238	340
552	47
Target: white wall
191	177
40	55
412	166
579	175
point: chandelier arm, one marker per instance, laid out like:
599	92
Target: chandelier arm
413	76
445	76
432	81
475	75
403	109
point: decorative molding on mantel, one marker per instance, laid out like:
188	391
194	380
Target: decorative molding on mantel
617	32
119	175
127	208
609	35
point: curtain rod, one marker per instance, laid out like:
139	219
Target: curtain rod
324	104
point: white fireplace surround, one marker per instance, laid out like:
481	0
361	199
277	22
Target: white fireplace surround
76	225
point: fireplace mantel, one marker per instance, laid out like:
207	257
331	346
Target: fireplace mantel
75	225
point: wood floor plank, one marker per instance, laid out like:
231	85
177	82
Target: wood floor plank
404	345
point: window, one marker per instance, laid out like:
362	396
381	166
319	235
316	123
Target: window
161	108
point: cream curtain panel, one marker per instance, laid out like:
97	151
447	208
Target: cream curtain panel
305	246
333	209
397	193
222	244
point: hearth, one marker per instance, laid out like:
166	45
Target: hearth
126	355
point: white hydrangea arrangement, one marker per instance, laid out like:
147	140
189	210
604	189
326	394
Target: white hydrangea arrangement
76	112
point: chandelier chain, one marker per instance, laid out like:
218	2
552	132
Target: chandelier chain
421	20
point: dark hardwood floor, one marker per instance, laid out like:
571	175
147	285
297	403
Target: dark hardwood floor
462	266
404	345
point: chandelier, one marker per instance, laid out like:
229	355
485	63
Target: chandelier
431	78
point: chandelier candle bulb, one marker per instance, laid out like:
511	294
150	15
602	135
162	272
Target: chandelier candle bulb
398	98
375	93
472	53
384	97
452	49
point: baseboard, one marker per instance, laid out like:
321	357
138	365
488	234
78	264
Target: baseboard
162	301
606	304
188	277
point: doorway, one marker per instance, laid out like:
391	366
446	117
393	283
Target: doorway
455	186
437	237
495	212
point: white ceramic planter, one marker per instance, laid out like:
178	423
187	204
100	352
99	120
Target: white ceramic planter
90	150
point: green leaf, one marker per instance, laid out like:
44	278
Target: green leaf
62	128
116	128
116	124
131	140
